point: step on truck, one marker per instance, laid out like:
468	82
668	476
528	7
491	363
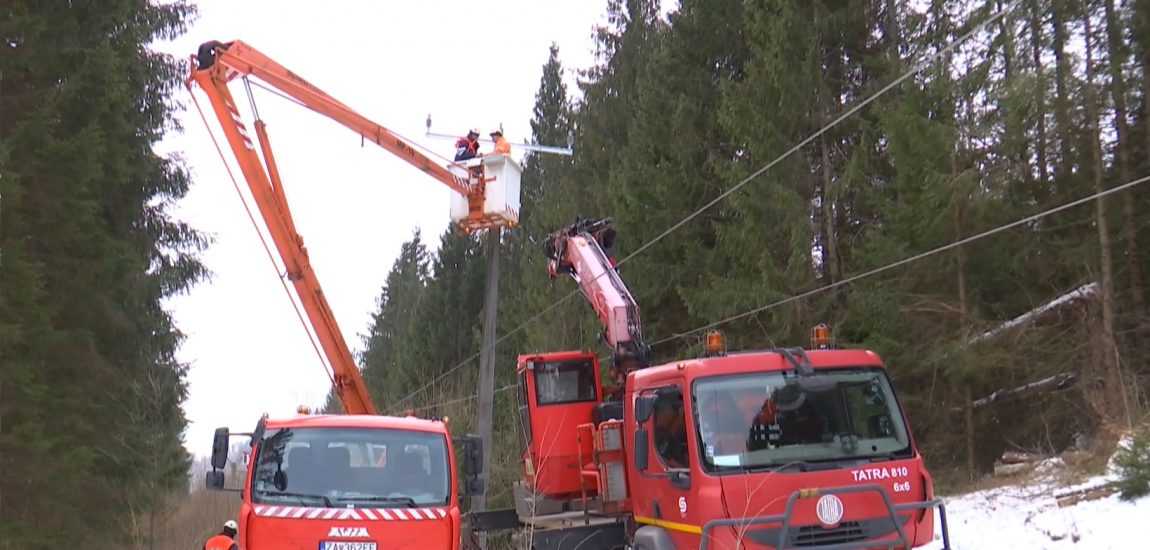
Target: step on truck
770	449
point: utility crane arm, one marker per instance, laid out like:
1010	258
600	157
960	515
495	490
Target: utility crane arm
224	61
580	250
215	65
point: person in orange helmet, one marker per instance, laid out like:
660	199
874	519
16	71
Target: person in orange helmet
226	540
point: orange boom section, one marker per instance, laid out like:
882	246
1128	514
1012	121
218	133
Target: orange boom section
266	188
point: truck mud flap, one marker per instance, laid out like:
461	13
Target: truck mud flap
493	520
785	535
599	537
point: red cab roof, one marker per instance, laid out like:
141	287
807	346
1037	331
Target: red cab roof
359	421
756	361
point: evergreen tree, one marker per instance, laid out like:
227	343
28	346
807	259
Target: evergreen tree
386	344
90	390
676	111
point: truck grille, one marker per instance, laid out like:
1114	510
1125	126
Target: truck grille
814	535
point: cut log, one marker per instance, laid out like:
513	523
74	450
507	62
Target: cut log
1070	498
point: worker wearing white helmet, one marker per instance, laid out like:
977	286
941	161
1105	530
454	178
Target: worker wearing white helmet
501	145
226	540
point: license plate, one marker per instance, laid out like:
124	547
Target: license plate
342	545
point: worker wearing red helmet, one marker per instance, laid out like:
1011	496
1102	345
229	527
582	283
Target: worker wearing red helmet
226	540
467	147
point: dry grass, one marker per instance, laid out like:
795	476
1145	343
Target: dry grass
197	517
1079	466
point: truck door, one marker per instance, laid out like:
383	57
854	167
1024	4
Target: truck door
664	496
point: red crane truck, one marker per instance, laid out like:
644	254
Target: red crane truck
356	481
778	448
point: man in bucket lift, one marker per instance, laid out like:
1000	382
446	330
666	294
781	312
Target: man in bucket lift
467	147
501	145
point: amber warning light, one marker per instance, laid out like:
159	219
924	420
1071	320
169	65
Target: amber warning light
821	336
715	344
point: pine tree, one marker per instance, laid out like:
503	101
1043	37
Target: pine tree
386	373
90	420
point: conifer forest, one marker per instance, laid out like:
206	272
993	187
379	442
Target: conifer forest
917	225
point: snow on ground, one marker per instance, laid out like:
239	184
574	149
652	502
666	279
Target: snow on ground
1027	516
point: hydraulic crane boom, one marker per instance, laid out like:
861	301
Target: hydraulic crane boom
580	250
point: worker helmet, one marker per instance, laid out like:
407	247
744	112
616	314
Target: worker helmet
230	524
473	132
496	133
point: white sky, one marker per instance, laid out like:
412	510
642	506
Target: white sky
466	63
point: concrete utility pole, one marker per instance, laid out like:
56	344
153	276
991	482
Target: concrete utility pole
487	366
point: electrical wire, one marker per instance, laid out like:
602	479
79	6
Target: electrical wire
922	64
911	259
469	359
460	400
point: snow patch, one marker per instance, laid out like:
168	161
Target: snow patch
1028	517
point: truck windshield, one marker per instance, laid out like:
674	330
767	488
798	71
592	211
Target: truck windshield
341	467
765	419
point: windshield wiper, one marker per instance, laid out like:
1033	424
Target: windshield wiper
893	455
804	465
799	465
300	497
407	501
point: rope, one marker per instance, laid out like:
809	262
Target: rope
414	144
263	241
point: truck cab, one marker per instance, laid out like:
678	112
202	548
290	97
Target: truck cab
346	482
723	443
763	449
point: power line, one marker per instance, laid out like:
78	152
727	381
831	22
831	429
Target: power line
469	359
460	400
922	64
911	259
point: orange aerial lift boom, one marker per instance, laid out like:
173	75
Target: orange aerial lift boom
295	495
215	65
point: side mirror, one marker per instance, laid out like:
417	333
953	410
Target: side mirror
473	455
220	449
471	447
641	445
214	480
473	485
644	406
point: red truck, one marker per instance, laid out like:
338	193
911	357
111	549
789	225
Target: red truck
347	482
356	481
778	448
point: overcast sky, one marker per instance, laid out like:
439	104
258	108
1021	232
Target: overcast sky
466	63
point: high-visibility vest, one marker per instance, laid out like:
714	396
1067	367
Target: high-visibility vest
220	542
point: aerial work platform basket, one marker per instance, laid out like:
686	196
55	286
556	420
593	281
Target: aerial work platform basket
499	177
